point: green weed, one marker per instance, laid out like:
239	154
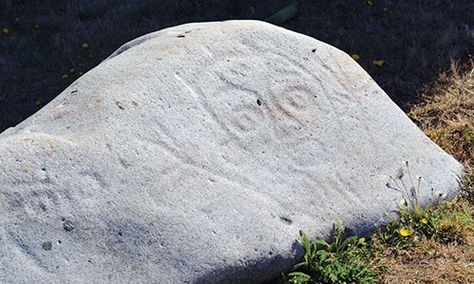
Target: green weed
353	260
340	261
443	222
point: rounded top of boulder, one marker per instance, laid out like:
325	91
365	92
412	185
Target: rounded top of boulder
197	153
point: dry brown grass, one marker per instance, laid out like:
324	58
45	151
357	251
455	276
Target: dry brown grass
447	115
430	262
449	259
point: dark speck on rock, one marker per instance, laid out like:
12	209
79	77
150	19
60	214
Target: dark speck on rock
286	219
47	245
68	226
119	105
43	206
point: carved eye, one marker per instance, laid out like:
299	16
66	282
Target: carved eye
293	105
294	100
245	115
244	122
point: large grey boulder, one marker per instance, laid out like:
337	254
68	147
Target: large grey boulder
197	153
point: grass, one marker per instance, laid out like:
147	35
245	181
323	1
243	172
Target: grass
447	116
431	244
429	262
437	235
445	223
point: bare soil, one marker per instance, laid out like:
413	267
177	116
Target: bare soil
431	262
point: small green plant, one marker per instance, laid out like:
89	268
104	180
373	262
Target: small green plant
455	220
438	221
467	187
414	220
340	261
352	260
411	226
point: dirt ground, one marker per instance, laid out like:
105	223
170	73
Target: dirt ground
431	263
45	45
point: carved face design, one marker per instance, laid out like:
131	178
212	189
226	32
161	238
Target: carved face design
248	109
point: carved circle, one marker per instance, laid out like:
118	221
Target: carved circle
293	105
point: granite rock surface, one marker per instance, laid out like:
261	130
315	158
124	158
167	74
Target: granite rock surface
195	154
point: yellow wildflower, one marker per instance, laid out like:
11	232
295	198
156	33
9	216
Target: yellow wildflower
378	62
38	103
404	232
5	30
385	9
65	76
81	73
85	45
370	2
356	57
424	221
72	70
